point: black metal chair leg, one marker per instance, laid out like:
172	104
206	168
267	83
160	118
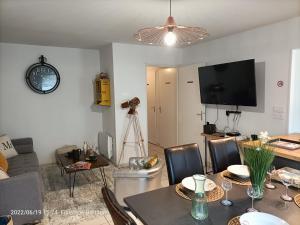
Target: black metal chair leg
103	176
61	171
72	184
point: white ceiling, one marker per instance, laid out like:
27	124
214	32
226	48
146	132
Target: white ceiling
92	23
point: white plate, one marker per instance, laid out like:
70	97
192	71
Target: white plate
189	183
291	173
239	170
259	218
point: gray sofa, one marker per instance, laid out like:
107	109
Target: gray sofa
21	195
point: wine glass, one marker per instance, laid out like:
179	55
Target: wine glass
227	186
286	181
297	181
271	171
252	192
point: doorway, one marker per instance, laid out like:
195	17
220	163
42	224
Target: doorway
175	113
162	106
294	111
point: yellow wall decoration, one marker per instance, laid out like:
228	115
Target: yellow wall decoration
102	84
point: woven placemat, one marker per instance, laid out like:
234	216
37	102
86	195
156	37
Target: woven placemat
211	196
234	221
236	180
297	200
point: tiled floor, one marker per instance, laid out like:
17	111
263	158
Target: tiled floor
103	220
156	150
106	219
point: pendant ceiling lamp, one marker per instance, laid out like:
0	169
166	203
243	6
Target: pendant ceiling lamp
171	34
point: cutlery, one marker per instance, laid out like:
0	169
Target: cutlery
187	193
232	177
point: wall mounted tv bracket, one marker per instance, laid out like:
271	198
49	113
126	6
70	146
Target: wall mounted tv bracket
228	112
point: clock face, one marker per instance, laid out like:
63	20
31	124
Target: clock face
42	78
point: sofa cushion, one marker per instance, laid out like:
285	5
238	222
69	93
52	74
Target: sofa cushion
23	145
6	147
3	162
23	163
3	174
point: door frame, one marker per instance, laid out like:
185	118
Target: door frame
163	66
289	98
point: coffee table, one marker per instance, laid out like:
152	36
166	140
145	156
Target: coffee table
64	161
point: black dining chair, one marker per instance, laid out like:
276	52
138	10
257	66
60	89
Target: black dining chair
223	152
183	161
118	214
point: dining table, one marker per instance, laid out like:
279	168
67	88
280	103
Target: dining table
165	207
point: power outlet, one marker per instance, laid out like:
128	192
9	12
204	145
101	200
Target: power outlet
278	112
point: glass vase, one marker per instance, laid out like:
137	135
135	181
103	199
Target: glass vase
259	189
199	202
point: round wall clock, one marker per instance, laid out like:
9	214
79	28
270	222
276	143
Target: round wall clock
42	77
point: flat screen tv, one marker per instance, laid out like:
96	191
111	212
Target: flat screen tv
228	84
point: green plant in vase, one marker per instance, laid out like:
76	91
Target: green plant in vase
259	158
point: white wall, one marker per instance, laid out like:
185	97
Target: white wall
294	119
108	113
65	116
68	116
129	71
271	45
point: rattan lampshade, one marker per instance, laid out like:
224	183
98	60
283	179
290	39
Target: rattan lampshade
184	35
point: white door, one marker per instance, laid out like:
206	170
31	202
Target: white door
191	112
167	106
151	105
294	112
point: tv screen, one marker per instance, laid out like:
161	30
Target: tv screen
228	84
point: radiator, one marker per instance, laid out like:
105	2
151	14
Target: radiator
105	144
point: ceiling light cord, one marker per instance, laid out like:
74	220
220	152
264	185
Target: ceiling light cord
170	7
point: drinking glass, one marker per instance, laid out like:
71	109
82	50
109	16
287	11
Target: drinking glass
271	171
286	181
297	181
227	186
252	192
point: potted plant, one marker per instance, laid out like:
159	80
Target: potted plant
259	158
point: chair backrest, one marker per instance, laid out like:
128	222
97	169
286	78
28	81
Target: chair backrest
183	161
118	214
224	152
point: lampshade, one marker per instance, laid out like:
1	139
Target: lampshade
171	34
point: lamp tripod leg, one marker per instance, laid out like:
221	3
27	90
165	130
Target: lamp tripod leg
141	139
135	129
138	136
134	122
125	139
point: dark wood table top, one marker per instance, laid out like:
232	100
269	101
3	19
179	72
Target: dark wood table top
164	207
66	161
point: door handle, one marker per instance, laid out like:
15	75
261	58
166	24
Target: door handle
159	108
200	114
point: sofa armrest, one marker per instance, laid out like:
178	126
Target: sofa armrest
23	145
21	198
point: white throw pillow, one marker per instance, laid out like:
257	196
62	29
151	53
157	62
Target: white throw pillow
3	174
6	147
